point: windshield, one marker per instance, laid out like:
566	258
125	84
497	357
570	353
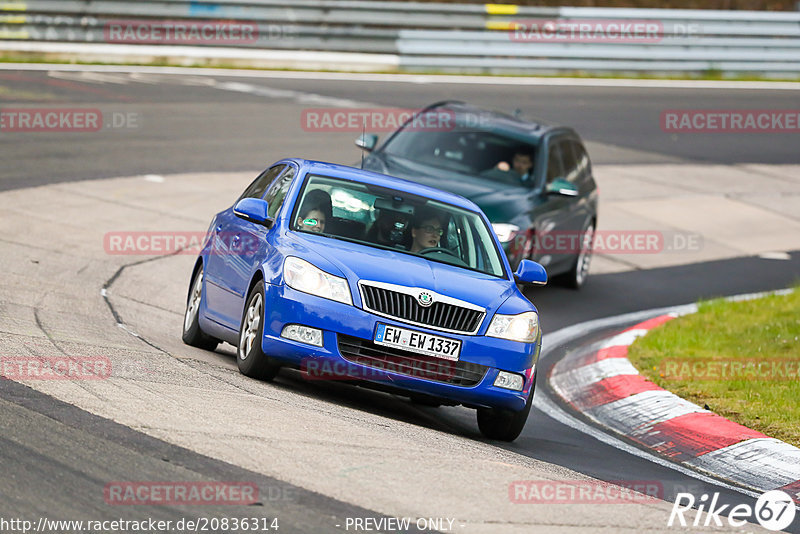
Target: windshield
391	219
466	150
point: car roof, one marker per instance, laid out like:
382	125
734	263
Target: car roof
516	125
336	170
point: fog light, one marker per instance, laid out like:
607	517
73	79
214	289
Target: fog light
303	334
508	380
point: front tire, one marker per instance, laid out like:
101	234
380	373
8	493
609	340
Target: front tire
192	334
250	356
576	277
504	425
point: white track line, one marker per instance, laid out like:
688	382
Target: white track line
626	338
761	459
639	413
552	410
412	78
578	379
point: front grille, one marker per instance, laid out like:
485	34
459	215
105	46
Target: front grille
366	353
404	307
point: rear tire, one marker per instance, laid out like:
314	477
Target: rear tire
577	276
504	425
192	334
250	356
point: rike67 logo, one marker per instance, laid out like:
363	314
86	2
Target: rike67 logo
774	510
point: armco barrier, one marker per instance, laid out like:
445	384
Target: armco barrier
446	37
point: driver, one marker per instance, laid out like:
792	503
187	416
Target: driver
427	229
521	166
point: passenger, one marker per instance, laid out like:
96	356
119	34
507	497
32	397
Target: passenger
315	211
427	229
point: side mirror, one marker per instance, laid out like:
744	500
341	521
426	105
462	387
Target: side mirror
367	142
559	186
530	272
254	210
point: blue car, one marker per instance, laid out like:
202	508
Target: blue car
351	275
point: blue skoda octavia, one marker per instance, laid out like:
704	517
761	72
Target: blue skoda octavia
352	275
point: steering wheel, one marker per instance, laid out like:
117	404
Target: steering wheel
438	249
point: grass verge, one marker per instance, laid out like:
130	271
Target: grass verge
740	359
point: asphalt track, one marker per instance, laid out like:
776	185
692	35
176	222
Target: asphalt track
189	126
185	125
55	457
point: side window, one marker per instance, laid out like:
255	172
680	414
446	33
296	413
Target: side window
554	166
260	184
571	173
277	193
582	158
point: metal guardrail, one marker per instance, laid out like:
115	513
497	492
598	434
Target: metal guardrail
444	37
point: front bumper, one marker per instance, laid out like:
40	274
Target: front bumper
344	326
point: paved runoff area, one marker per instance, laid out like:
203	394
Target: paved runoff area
696	213
91	273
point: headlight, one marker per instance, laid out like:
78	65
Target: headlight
302	276
505	232
523	327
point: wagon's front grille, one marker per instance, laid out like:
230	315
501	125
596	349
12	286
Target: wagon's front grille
366	353
405	307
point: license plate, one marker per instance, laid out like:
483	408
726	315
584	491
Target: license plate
421	343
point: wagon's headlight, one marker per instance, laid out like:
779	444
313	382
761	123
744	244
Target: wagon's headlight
505	232
523	327
302	276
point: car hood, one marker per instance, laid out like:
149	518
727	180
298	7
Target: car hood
361	262
500	202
